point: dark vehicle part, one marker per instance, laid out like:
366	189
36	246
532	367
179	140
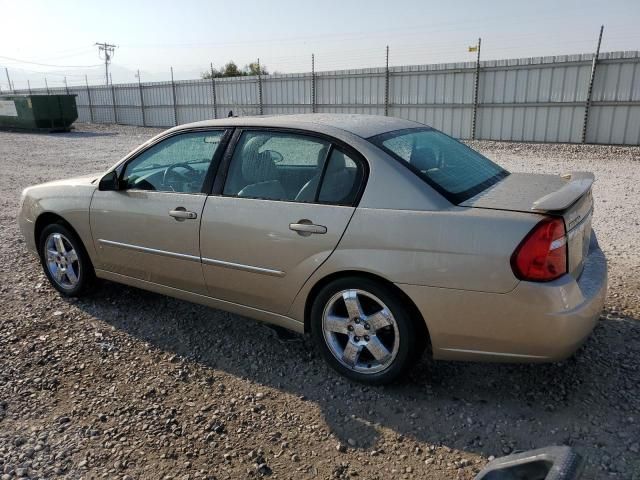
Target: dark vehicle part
549	463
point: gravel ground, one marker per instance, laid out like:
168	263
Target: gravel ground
128	384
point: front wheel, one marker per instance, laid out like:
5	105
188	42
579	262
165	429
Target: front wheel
364	331
65	261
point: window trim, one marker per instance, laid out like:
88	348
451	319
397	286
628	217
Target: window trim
214	165
356	156
455	198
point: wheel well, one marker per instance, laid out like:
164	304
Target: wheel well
49	218
416	316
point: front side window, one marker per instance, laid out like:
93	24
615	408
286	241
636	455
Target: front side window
452	168
177	164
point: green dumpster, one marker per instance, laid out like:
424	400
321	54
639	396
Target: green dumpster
50	113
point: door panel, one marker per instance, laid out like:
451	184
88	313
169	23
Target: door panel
135	235
149	229
252	257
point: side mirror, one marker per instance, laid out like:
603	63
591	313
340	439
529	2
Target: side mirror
109	182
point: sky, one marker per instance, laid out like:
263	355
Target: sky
54	40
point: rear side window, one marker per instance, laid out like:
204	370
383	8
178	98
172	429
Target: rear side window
341	181
276	166
292	167
449	166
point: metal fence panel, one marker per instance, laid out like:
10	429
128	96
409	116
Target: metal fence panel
540	99
286	93
102	100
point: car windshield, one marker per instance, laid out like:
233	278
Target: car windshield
449	166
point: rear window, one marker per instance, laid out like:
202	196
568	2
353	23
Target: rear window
449	166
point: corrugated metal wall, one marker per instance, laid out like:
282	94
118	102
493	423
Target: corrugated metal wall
540	99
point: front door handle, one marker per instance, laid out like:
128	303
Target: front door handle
181	213
305	228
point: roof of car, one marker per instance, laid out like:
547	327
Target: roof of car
364	126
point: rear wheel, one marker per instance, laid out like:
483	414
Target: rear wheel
65	261
364	331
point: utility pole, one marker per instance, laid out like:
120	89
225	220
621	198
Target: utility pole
107	50
47	86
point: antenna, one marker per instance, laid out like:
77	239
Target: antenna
105	52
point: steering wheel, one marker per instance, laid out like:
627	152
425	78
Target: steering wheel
170	169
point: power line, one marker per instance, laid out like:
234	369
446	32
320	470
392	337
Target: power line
46	64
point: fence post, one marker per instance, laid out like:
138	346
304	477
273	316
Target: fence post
89	98
313	83
6	70
587	104
386	86
213	91
260	88
144	120
175	106
474	119
113	99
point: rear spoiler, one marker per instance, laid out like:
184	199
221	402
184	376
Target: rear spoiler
578	183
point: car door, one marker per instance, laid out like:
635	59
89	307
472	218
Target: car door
149	227
262	238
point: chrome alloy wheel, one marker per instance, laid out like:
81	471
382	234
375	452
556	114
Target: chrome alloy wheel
62	261
360	331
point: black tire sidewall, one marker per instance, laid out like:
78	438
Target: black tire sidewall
407	334
85	268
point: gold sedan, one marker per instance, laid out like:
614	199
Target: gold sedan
377	235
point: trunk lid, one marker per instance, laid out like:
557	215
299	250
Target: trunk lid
567	195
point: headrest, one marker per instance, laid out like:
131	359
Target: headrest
256	166
337	162
423	158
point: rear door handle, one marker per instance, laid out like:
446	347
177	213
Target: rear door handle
305	228
181	213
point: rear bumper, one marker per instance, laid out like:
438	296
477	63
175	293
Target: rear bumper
535	322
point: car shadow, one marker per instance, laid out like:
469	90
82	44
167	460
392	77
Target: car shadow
82	135
490	409
70	134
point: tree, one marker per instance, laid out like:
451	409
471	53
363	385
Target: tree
254	68
232	70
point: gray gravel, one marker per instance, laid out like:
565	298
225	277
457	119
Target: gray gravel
128	384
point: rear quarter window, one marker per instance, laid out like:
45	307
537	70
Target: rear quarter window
449	166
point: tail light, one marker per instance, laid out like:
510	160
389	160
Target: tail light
542	255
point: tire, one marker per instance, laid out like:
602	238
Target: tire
345	330
65	261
